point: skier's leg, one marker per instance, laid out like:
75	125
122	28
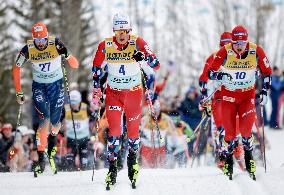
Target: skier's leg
217	109
41	106
114	116
133	111
229	110
56	97
247	117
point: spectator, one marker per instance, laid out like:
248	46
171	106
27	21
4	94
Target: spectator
189	109
281	101
274	95
28	145
81	114
5	144
153	149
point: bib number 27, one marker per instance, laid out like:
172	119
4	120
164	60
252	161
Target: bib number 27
122	70
240	75
45	67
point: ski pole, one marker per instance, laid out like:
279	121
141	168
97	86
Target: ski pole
196	129
98	118
209	97
195	150
259	137
151	108
263	138
72	117
96	142
18	122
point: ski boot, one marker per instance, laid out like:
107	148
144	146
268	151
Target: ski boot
250	164
111	175
133	168
220	160
228	166
39	166
51	152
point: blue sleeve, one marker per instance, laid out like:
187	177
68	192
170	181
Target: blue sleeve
61	49
276	83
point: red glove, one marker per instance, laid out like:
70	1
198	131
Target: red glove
97	95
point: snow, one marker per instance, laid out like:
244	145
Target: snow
201	180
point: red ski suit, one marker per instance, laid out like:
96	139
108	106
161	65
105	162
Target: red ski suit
216	100
240	101
125	73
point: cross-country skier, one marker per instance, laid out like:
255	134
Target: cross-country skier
45	54
215	105
235	65
123	54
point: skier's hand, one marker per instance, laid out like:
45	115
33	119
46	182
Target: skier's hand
97	95
263	97
20	97
224	77
93	138
207	107
138	56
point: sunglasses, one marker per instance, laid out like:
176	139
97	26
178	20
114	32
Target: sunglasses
40	40
121	32
239	42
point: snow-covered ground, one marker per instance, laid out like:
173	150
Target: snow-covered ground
202	180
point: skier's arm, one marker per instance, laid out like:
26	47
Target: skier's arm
219	60
204	75
97	64
22	58
62	50
263	62
150	57
266	71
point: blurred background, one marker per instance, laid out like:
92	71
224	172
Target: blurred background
183	33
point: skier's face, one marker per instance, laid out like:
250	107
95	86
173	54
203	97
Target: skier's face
41	43
75	106
240	46
122	36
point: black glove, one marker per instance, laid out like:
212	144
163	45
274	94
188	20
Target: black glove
138	56
223	76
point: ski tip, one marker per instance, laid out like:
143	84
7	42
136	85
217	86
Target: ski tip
109	187
133	185
253	177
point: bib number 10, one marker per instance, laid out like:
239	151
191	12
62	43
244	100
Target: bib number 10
122	70
240	75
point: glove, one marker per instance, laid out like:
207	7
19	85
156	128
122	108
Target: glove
138	56
263	100
93	138
224	77
149	95
20	97
207	107
97	95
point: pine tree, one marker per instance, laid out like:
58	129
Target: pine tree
7	100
